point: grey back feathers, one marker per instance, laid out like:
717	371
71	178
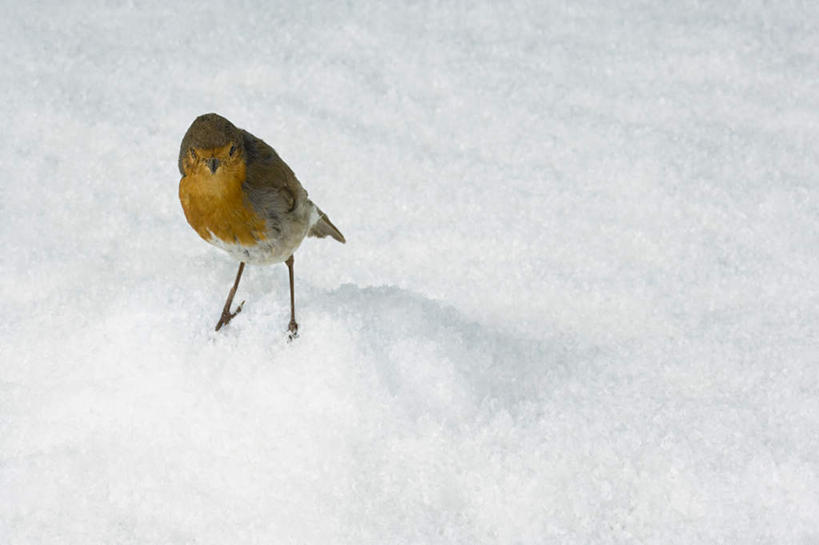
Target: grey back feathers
273	189
270	186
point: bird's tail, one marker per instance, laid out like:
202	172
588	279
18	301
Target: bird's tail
323	227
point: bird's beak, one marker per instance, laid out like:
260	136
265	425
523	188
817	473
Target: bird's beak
213	164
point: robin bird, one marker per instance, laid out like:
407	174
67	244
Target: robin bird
240	196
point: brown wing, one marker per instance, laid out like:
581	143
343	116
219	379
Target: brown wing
270	185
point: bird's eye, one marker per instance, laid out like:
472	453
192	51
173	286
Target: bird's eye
193	153
233	149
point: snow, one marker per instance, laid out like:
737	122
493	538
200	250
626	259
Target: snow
578	302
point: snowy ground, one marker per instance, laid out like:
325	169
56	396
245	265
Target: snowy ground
578	303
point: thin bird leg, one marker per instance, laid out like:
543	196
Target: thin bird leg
227	316
294	327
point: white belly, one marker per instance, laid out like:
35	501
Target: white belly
265	251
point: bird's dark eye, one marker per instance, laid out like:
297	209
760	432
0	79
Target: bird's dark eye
233	149
193	153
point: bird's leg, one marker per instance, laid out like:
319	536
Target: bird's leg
227	315
294	327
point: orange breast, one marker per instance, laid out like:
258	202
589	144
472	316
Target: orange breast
215	205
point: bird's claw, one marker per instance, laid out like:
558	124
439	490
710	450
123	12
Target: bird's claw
292	330
227	316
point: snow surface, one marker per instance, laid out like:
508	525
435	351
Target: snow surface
578	303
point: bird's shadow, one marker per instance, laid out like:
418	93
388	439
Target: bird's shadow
425	351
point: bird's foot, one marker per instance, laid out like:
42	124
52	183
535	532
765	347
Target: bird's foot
227	316
293	330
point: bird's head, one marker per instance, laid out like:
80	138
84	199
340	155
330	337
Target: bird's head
211	143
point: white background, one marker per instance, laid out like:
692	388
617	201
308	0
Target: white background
578	302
